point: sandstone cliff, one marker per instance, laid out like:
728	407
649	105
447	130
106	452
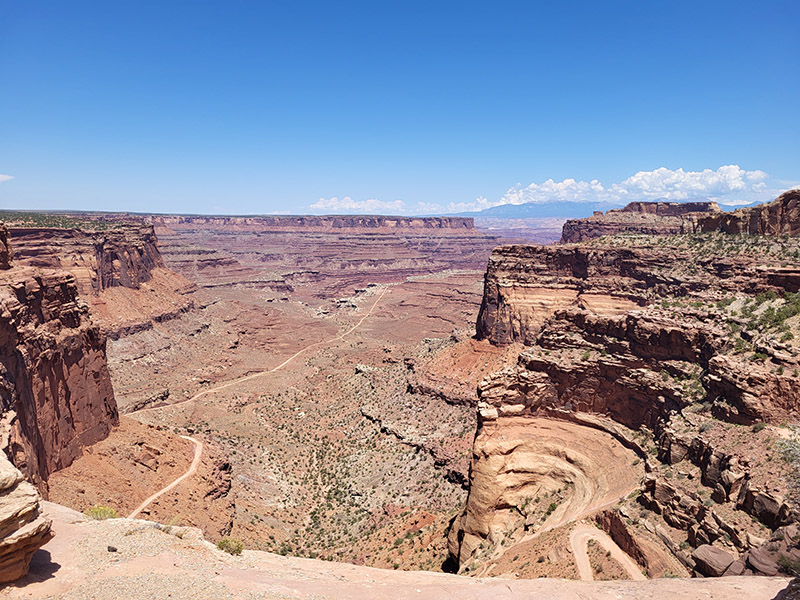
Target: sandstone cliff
525	285
657	218
124	255
116	263
55	391
23	528
5	248
779	217
646	339
307	222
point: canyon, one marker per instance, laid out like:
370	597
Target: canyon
365	390
665	343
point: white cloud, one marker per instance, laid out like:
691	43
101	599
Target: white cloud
5	177
729	184
726	183
348	205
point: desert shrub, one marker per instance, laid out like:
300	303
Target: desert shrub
790	451
759	427
230	545
789	565
99	513
706	426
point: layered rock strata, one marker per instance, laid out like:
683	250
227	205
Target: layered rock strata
340	253
5	248
122	256
23	528
55	390
660	218
642	335
779	217
525	285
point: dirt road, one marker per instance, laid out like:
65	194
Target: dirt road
252	376
579	539
198	454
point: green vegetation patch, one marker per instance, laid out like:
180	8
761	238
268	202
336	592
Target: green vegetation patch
231	545
100	512
59	221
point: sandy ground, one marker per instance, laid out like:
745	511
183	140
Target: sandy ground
147	562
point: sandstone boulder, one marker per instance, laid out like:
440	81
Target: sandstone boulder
23	529
762	561
711	561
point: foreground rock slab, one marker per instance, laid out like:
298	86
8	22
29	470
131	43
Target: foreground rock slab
23	529
151	561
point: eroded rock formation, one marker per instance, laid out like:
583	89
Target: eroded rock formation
339	252
23	529
649	336
55	391
5	248
660	218
123	255
779	217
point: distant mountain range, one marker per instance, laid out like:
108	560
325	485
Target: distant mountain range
565	210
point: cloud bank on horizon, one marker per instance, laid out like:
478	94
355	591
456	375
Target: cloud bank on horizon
729	184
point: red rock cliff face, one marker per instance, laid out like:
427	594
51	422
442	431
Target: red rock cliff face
525	285
638	338
55	391
779	217
5	249
122	256
652	218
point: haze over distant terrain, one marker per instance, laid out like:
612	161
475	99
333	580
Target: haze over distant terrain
406	109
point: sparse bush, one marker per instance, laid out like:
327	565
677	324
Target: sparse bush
789	565
100	513
790	451
231	545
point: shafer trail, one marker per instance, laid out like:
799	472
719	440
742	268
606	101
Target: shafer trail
198	448
579	540
198	454
274	369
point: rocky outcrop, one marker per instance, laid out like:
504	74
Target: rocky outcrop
530	474
23	529
55	390
711	561
5	248
639	334
779	217
659	218
123	255
526	285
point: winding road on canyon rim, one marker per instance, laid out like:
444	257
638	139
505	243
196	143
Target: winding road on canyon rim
198	446
198	454
579	540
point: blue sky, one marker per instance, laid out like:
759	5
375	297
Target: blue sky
260	107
